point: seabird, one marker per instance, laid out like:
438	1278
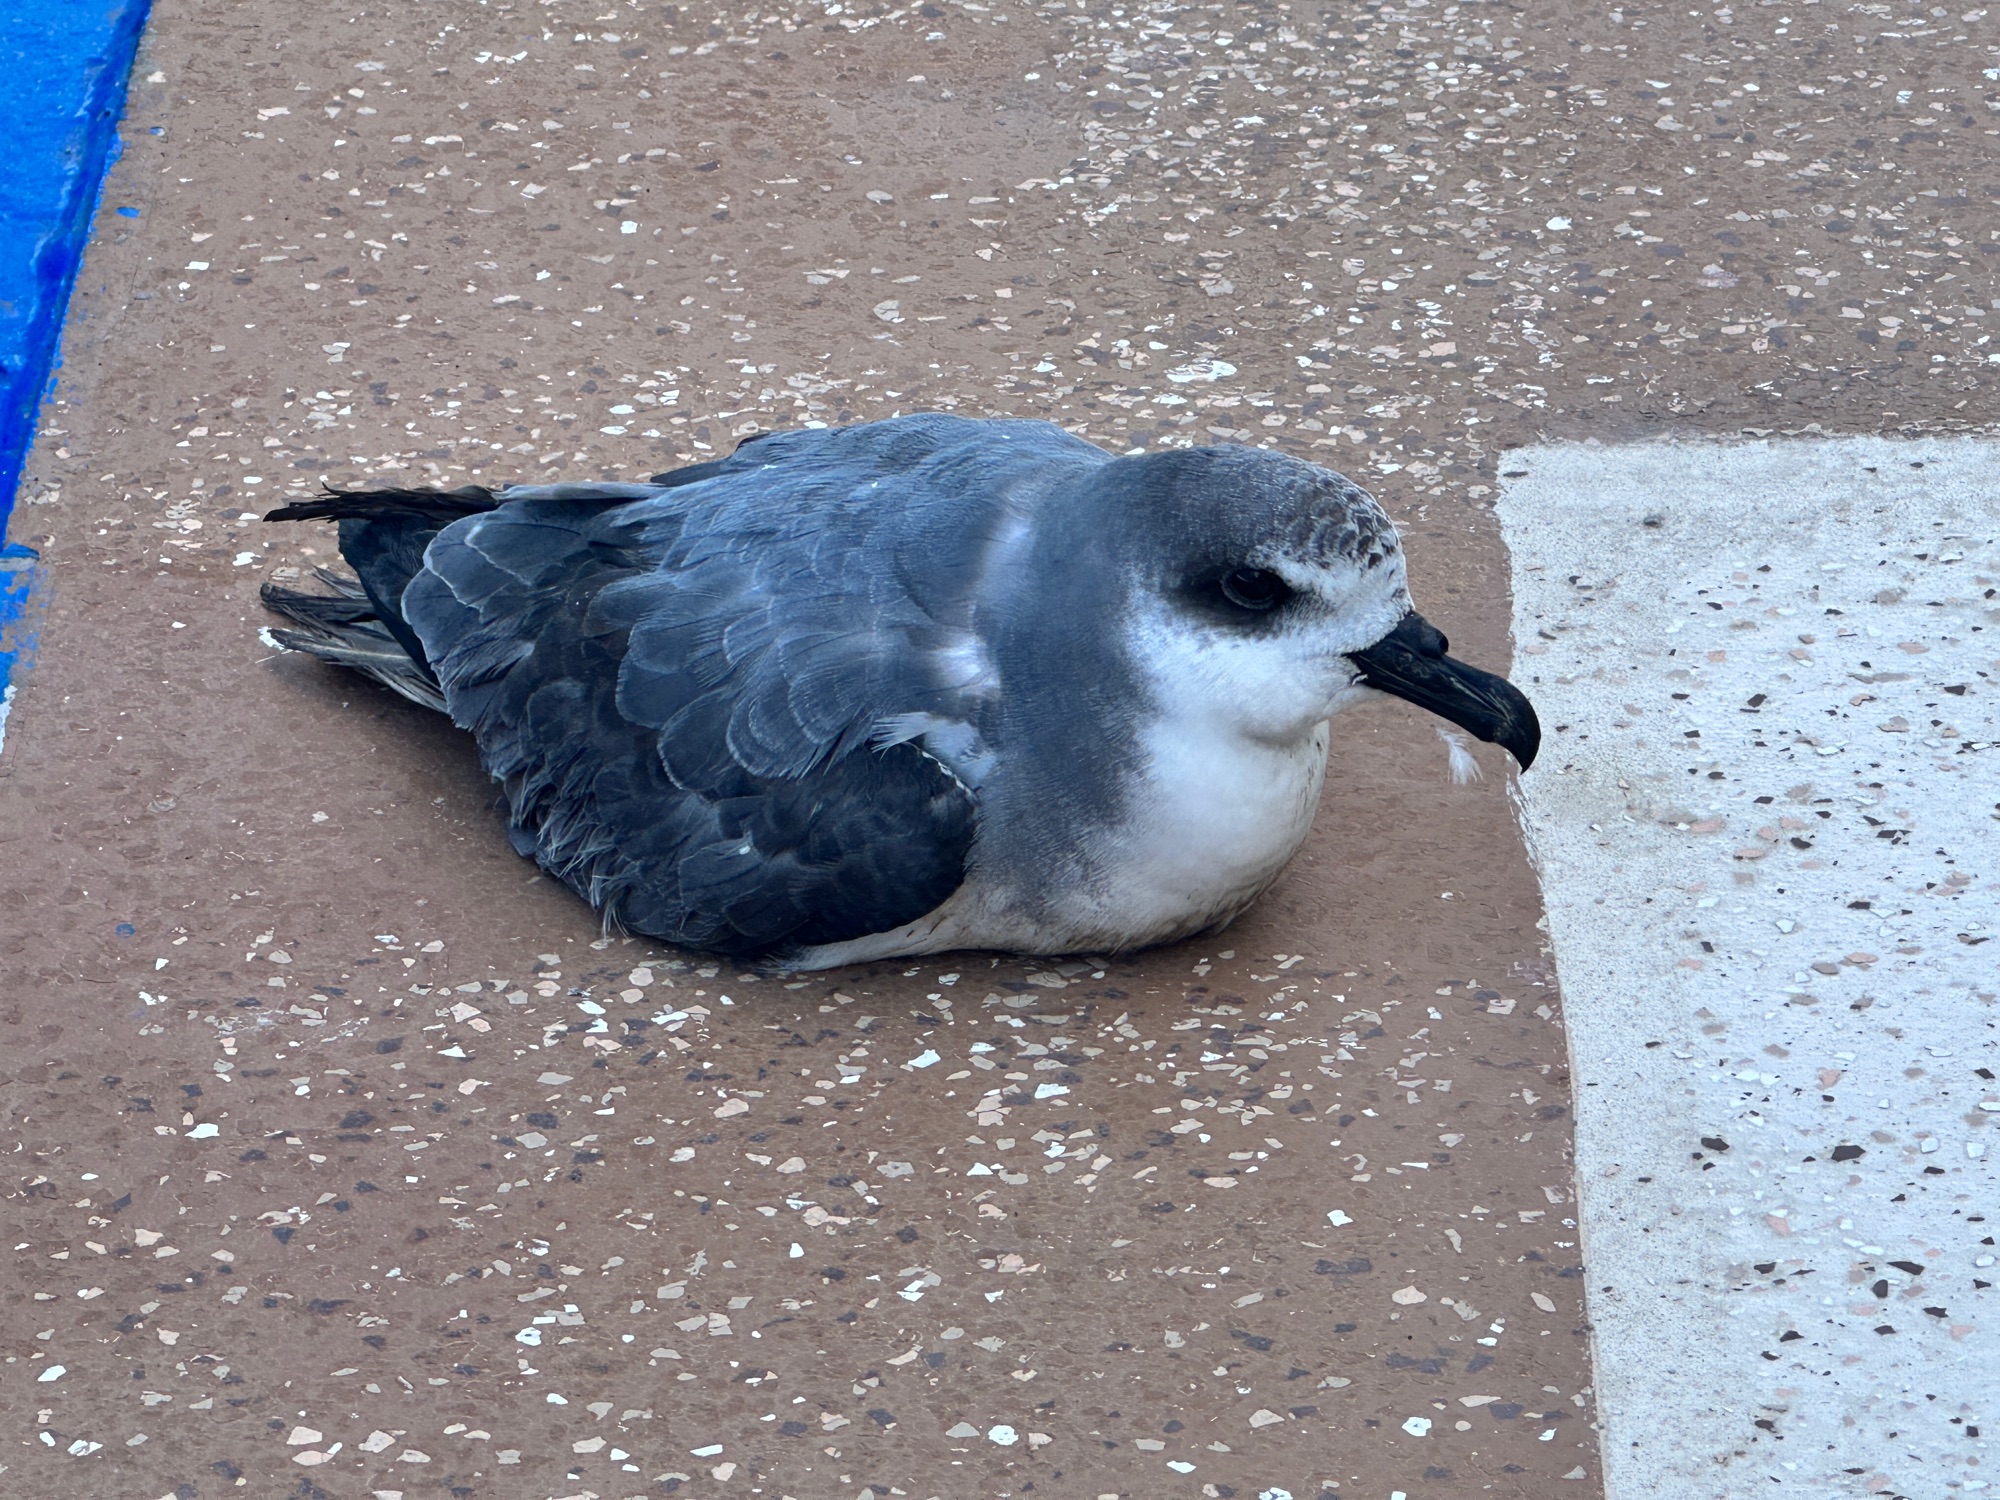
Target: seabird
915	685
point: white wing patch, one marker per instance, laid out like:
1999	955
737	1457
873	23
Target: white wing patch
965	666
953	744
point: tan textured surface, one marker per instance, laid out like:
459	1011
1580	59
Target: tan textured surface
175	778
1121	1323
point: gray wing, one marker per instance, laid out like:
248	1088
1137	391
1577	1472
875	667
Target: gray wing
740	709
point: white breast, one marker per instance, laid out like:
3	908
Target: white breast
1232	755
1210	822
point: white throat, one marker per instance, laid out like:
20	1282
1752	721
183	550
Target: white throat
1231	761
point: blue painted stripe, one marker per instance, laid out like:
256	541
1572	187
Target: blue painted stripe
63	68
20	577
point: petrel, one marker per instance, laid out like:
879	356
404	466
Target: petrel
914	685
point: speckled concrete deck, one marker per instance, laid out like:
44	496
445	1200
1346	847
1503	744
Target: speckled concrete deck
285	1017
1767	847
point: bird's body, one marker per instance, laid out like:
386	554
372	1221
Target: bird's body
921	684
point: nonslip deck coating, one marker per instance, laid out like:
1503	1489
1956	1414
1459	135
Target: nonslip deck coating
846	219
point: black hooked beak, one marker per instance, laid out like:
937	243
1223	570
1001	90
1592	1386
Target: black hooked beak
1410	662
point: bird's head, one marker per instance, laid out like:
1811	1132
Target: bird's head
1273	591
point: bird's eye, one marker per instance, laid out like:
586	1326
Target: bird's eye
1255	588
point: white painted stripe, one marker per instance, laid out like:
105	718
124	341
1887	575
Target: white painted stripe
1765	824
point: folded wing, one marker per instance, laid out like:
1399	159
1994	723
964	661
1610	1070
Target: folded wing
697	693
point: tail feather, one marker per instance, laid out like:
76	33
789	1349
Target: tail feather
383	534
358	621
341	627
344	603
374	654
437	507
